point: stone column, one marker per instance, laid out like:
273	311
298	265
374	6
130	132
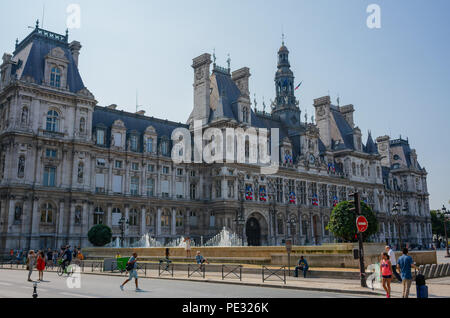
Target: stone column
187	227
300	224
174	224
35	220
109	215
143	221
11	212
72	221
127	217
84	224
158	223
313	234
61	218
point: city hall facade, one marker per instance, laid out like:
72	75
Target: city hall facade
67	164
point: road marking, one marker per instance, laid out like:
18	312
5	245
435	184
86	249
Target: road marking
77	295
5	284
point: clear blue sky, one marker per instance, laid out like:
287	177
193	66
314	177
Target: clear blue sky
397	77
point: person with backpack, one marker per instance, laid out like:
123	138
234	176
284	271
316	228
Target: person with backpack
405	262
132	270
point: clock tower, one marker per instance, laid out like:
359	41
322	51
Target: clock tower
286	105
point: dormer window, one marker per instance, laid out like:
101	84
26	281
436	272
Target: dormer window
100	137
55	77
245	115
134	143
52	121
165	148
150	145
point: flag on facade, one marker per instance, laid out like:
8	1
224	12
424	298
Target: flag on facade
315	200
292	198
262	194
298	86
335	201
249	193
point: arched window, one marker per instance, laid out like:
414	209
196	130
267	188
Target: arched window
354	169
47	213
98	215
82	124
245	115
134	217
362	170
52	121
179	219
55	77
165	218
21	167
24	117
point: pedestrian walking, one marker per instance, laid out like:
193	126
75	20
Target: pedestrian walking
393	260
30	264
132	270
187	240
386	273
11	254
40	265
405	262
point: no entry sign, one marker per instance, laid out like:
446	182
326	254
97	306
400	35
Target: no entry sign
362	224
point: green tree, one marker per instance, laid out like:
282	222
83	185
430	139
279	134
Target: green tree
343	222
437	224
100	235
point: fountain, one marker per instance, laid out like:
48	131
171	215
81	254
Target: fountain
147	241
225	238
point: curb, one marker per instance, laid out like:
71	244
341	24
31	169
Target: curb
318	289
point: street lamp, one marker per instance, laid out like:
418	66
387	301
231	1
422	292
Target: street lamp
289	223
240	220
396	213
122	223
446	214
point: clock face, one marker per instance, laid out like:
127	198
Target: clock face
312	159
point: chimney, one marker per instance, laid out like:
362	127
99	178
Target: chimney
347	111
241	79
202	86
141	112
112	106
75	48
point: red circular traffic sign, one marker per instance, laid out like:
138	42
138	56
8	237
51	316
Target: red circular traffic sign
362	224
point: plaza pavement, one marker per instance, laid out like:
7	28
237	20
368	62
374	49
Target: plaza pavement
438	288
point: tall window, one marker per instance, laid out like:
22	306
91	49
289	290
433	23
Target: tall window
134	186
150	187
280	224
134	143
245	115
55	77
149	144
18	214
100	137
302	192
52	121
165	218
98	216
134	219
279	184
165	148
179	219
47	213
49	176
193	191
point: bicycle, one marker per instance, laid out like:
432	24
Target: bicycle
61	270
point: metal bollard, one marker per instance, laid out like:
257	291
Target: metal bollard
35	294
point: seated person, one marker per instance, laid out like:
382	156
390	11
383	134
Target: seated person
200	259
166	260
302	265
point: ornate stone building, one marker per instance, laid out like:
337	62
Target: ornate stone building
67	164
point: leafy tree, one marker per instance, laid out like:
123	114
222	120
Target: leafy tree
437	224
100	235
343	222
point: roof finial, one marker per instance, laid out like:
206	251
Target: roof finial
338	100
282	38
37	24
256	103
67	34
229	62
17	42
214	56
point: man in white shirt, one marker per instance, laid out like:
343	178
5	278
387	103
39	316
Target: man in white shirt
393	260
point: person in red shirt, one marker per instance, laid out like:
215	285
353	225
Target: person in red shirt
40	265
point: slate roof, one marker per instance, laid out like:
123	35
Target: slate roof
344	128
370	147
34	65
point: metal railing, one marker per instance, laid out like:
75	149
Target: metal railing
280	273
165	268
228	270
196	270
